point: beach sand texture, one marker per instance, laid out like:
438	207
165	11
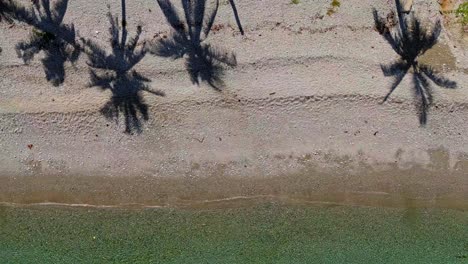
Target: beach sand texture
300	114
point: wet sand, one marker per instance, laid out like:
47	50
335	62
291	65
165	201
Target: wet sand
346	182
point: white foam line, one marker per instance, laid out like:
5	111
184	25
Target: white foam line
371	192
188	203
82	205
238	198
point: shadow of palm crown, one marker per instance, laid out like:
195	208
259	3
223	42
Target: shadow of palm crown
50	35
411	40
115	72
203	61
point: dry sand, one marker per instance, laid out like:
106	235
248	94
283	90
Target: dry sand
299	117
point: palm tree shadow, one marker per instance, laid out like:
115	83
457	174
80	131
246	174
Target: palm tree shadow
115	72
49	35
203	61
410	40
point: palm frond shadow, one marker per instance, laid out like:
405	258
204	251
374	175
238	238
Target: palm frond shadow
203	61
410	40
49	35
115	72
9	10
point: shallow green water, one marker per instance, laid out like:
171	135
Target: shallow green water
269	232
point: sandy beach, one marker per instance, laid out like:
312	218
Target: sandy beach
299	117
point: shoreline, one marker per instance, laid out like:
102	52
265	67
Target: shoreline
361	200
440	184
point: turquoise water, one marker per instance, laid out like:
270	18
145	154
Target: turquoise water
264	232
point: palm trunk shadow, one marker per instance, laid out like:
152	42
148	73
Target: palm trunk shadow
236	15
